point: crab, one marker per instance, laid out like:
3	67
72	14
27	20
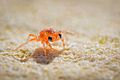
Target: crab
45	37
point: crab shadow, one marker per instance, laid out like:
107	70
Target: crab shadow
39	56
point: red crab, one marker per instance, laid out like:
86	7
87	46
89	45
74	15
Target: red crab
45	37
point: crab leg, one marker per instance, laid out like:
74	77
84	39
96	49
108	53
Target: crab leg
33	39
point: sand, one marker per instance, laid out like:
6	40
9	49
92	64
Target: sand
91	29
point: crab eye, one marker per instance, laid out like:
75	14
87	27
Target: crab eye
60	35
50	38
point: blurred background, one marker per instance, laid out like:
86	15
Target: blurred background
94	26
63	13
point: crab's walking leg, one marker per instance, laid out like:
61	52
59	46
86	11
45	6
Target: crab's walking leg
21	45
44	49
25	59
28	40
49	44
63	43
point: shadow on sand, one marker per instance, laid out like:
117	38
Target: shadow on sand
39	56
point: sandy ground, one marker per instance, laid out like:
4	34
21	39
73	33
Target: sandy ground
91	31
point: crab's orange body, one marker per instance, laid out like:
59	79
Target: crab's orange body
45	37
